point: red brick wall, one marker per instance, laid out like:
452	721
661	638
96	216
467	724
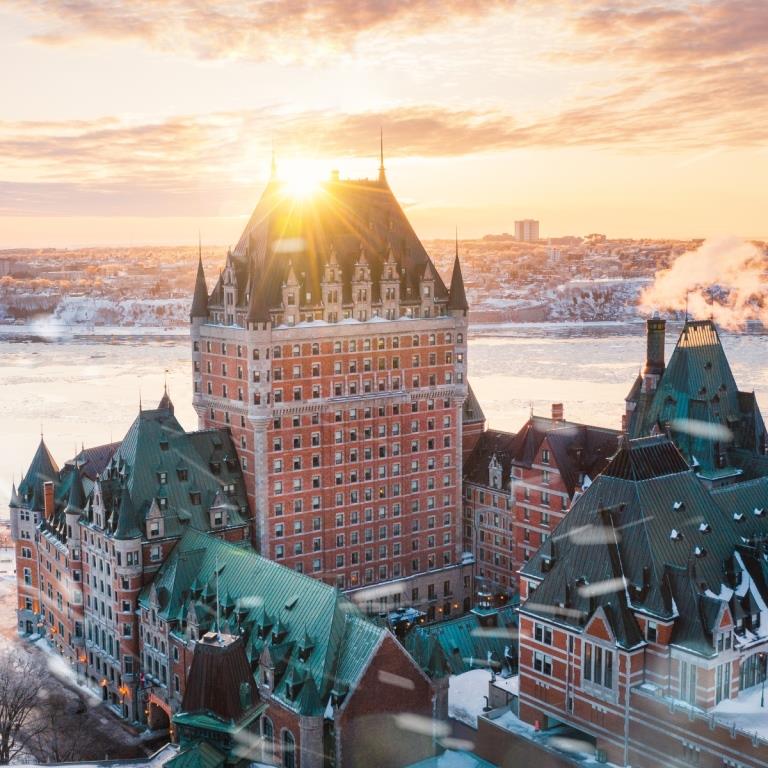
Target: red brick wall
381	721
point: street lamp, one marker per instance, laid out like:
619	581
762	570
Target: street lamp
762	656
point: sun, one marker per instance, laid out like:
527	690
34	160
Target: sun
300	179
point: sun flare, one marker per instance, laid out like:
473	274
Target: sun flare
301	180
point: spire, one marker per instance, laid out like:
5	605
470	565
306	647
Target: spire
165	400
457	297
200	297
382	175
15	502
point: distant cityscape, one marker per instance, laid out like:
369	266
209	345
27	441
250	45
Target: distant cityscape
508	278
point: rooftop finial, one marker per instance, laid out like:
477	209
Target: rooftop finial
381	154
199	245
457	241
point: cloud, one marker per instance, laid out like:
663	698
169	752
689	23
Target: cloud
257	29
203	164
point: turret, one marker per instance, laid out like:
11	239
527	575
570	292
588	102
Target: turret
127	520
200	297
74	509
361	288
331	288
457	297
389	287
291	298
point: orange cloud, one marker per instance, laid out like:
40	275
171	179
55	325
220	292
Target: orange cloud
258	29
158	167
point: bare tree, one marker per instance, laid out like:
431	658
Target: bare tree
19	688
61	733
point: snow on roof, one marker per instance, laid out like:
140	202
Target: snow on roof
745	712
467	695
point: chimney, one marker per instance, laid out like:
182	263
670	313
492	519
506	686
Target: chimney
654	356
557	412
48	499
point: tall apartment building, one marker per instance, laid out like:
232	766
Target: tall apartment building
527	230
336	356
519	486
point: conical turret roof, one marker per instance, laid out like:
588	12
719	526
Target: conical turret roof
127	519
15	503
200	298
42	468
457	297
76	500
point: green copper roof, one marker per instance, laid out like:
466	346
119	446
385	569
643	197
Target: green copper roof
200	755
464	642
182	473
274	608
698	386
42	468
650	520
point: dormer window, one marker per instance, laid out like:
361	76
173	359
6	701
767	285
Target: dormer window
678	505
675	535
182	474
162	478
162	503
163	445
545	456
154	528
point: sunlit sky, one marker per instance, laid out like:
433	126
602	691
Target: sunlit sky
145	121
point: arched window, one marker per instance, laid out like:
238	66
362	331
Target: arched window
289	750
268	738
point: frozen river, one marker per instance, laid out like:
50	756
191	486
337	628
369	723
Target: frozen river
86	390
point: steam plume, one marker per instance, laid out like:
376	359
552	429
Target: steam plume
726	279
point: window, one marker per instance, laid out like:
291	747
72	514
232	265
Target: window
598	665
688	682
542	634
542	663
723	682
651	632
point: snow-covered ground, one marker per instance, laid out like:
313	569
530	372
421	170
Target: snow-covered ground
84	310
745	711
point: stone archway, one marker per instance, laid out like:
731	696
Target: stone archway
158	715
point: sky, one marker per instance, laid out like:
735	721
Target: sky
146	121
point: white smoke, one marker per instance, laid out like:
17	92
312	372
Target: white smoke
726	279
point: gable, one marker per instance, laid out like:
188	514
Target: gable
598	627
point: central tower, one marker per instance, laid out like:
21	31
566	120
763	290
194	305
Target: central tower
335	354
